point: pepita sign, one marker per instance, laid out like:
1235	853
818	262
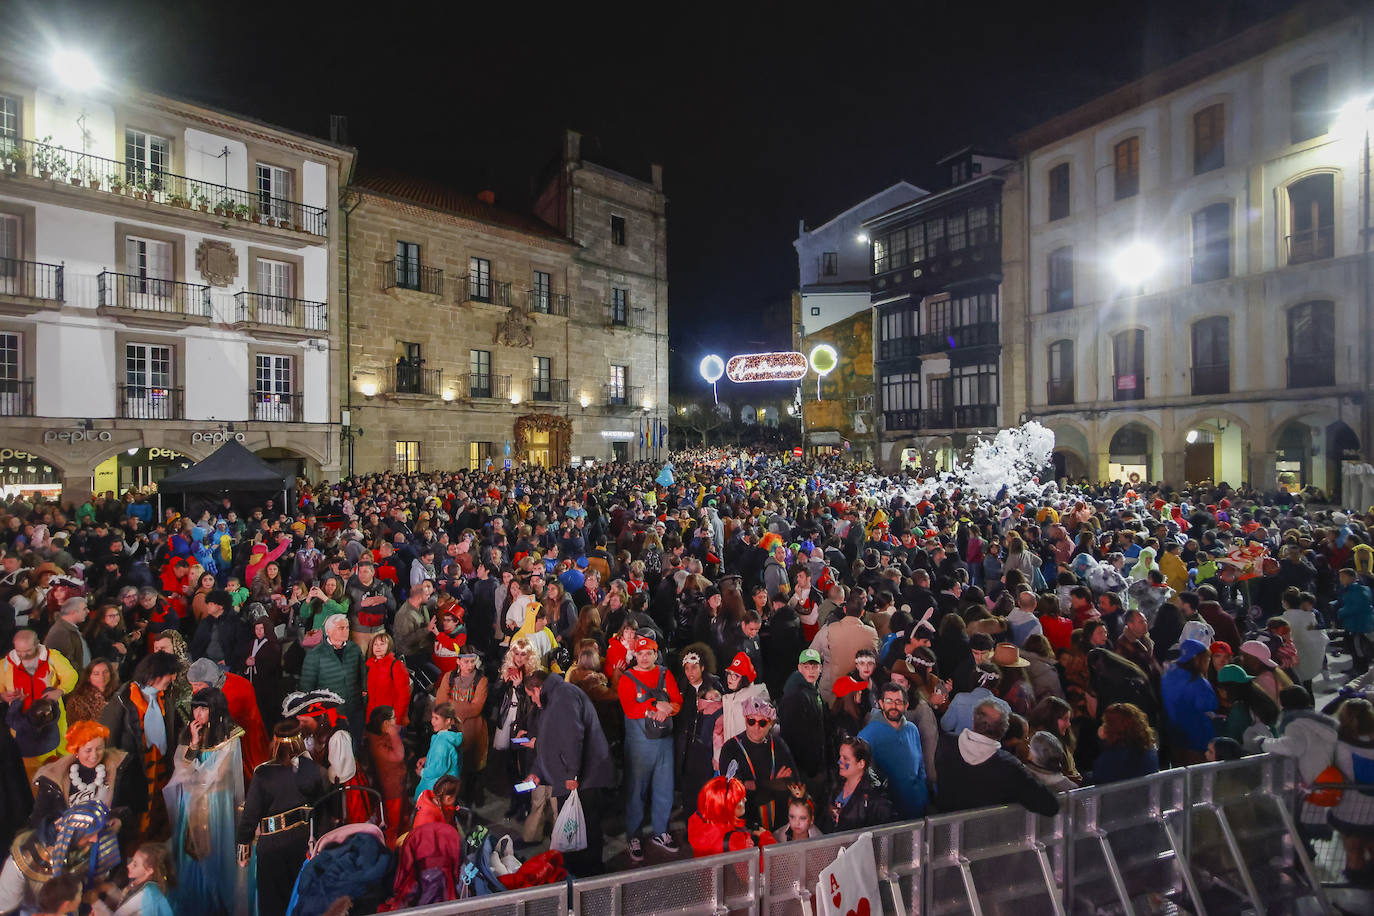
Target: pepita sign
217	437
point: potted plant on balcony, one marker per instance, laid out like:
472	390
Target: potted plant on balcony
92	179
255	215
18	160
43	158
202	201
241	211
176	200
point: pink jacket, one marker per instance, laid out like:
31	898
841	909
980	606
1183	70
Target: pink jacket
260	557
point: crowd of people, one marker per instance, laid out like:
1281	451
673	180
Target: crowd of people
724	652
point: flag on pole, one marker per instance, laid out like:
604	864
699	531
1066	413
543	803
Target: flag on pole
662	433
641	437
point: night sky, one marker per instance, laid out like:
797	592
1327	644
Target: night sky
761	113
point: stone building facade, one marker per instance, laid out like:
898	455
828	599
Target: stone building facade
479	335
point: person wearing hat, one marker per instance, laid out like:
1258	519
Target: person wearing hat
805	721
761	759
1256	659
1189	704
243	706
649	698
1014	686
1246	708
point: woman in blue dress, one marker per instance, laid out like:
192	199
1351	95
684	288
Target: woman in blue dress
203	797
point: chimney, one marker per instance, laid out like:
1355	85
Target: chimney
656	175
338	129
572	146
487	197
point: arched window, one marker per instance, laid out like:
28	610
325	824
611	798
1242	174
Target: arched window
1212	243
1061	386
1312	344
1312	218
1128	360
1212	356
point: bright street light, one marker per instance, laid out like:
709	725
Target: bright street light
75	70
1191	437
1351	117
862	238
1136	263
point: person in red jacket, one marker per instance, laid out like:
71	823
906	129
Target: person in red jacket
388	679
718	823
243	708
650	698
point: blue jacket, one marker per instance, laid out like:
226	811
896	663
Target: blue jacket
1187	702
1356	611
445	758
897	755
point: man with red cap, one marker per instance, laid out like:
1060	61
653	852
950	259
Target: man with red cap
649	698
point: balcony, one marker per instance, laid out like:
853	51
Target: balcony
1213	379
1311	371
620	396
146	402
935	418
975	416
548	303
33	281
489	291
623	316
410	377
271	313
40	161
899	347
16	397
964	336
487	386
272	407
548	390
399	273
1312	245
1128	387
1060	391
129	295
902	419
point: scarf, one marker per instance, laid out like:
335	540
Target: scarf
154	725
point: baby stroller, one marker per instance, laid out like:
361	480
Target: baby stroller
346	860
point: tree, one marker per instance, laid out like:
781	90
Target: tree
698	415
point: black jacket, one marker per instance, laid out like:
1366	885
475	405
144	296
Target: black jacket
235	639
805	724
999	780
867	807
569	741
126	733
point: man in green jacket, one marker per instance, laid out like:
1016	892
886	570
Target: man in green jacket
337	664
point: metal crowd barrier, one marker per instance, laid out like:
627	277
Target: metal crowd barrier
1212	838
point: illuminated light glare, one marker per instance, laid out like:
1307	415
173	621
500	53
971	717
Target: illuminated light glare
1191	437
75	70
515	397
785	366
1136	263
862	238
1351	117
132	451
448	394
712	368
648	405
584	401
369	389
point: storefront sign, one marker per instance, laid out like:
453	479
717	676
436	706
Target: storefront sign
164	453
76	435
217	437
617	434
10	454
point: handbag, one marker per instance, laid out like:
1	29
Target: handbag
1326	798
652	727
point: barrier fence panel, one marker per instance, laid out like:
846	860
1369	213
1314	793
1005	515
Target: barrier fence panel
995	860
713	886
1128	850
1243	845
547	900
791	870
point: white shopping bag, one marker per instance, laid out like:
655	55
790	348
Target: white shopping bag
849	885
570	829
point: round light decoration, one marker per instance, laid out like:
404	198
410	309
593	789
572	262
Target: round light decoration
712	368
823	361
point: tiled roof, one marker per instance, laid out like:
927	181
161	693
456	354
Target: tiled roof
436	196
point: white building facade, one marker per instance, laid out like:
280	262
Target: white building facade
1197	301
167	283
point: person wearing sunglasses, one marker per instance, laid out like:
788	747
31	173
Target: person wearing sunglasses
763	762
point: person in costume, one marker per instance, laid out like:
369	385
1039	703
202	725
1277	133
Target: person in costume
330	744
88	773
243	707
273	829
150	875
202	799
83	843
718	823
141	719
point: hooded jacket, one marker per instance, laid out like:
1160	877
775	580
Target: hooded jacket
975	771
1310	641
1356	608
803	716
1308	737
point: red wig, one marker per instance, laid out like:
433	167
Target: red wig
84	731
719	799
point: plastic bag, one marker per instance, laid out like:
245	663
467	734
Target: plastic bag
570	829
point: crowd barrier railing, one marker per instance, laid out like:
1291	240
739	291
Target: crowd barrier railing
1219	837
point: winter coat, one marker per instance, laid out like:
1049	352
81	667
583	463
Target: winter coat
1309	640
1116	763
803	718
444	758
388	763
1355	760
976	772
1356	608
1044	675
868	806
388	684
341	671
838	643
569	741
1308	737
1187	701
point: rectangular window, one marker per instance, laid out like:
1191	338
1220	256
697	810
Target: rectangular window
916	242
541	294
897	334
272	388
830	263
879	256
11	252
410	369
935	238
1061	373
1128	360
616	391
620	306
954	231
1311	115
150	261
1209	139
408	265
274	191
902	391
1059	191
1212	356
975	386
1060	289
937	390
479	279
148	381
407	456
937	316
815	311
1212	243
979	232
480	455
541	380
617	230
9	122
147	157
10	348
1126	159
276	278
479	373
897	256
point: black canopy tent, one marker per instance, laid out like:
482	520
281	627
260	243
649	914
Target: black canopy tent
232	471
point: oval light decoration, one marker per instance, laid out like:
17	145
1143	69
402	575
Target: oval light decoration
824	359
786	366
712	368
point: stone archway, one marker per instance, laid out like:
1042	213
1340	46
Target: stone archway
543	438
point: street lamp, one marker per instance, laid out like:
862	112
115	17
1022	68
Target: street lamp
75	70
1136	263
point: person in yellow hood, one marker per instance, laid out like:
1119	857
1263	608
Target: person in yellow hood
1364	559
1174	569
